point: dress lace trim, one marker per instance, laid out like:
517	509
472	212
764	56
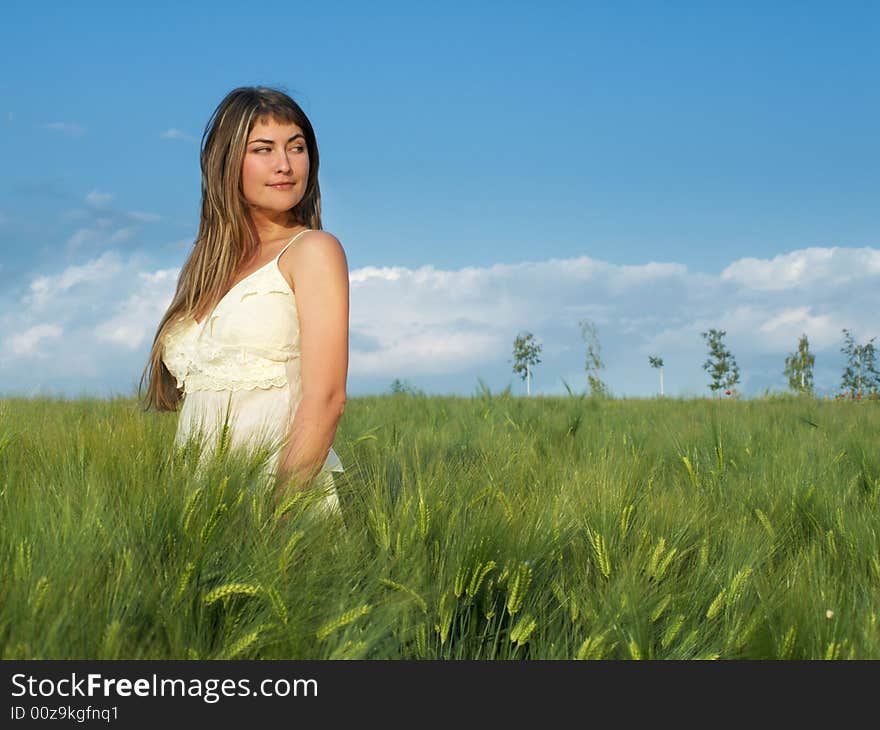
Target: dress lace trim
206	365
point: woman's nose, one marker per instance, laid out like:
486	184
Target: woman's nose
283	163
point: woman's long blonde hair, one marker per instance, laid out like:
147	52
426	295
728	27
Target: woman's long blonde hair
227	237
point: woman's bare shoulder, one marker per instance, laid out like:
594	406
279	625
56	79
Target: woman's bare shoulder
314	251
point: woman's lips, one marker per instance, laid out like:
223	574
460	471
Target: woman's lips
282	186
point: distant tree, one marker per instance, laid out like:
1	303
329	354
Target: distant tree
721	365
657	362
799	368
860	376
526	354
404	387
593	364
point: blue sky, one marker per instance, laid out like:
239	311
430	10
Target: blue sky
659	168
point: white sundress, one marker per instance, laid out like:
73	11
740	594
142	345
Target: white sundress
244	359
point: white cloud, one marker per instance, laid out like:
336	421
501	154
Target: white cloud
424	351
98	234
25	344
122	234
800	269
498	298
54	288
100	224
79	237
137	315
98	199
823	330
176	134
71	130
432	323
142	217
654	308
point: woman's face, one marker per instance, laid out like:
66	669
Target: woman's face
275	168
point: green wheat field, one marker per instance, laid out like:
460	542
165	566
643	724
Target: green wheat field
491	527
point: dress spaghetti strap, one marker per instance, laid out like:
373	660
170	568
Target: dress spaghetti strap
291	241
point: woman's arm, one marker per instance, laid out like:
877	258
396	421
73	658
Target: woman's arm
319	270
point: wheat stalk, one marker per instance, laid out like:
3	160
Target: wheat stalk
625	517
288	504
489	600
505	503
716	605
765	521
690	470
518	588
277	603
24	559
231	589
574	607
190	507
212	522
184	580
424	515
661	607
341	621
289	548
704	554
243	644
111	638
520	633
421	634
634	651
460	578
747	632
831	542
41	590
592	648
737	585
833	651
383	531
480	572
350	650
672	631
558	592
394	585
603	560
444	618
788	643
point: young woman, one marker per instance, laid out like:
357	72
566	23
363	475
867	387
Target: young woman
256	336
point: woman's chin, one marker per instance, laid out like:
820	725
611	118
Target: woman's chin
275	210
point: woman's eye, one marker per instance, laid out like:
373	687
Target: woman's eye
299	148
